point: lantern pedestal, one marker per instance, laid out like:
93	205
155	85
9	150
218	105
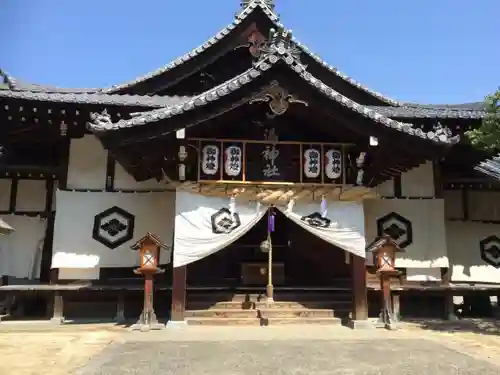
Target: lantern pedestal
387	318
148	321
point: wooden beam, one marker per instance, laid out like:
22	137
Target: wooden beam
13	194
46	258
110	172
64	162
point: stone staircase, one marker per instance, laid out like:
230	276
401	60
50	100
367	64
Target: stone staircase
250	308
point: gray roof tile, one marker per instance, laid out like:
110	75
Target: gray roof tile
93	98
490	167
440	112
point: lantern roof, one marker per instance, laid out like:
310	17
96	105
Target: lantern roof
149	237
381	241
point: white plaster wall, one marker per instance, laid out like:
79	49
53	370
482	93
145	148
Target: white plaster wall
123	180
87	164
4	194
464	252
484	205
31	195
418	182
74	247
428	249
386	189
20	251
453	206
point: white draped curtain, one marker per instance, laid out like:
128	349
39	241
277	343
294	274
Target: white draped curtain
340	223
205	225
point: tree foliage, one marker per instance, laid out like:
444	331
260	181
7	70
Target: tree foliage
487	136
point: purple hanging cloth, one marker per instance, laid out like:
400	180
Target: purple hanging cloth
323	207
270	221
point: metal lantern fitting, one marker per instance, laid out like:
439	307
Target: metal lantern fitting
265	246
385	248
149	248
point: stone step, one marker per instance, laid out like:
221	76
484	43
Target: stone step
222	313
223	322
297	313
260	322
328	304
344	295
233	305
299	321
264	313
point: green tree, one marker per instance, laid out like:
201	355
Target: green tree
487	136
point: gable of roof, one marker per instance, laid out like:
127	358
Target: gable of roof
279	50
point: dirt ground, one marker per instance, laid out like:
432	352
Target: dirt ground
33	351
36	350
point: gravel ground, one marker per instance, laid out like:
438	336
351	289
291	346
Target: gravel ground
470	347
367	357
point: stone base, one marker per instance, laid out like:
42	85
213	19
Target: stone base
176	323
57	320
496	312
391	326
360	324
452	317
147	327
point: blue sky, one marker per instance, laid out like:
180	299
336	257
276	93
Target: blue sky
427	51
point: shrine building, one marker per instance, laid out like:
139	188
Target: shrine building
264	171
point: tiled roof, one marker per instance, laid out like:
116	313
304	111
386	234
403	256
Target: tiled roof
267	6
93	98
18	85
200	49
490	167
279	53
430	111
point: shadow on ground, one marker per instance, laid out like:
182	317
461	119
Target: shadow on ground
479	326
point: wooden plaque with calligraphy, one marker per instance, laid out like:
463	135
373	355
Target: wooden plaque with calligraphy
272	162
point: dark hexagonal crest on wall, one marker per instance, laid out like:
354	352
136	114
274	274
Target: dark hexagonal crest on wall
490	250
225	221
113	227
396	226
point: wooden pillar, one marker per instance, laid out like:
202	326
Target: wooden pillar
396	306
178	294
449	305
360	298
120	308
55	305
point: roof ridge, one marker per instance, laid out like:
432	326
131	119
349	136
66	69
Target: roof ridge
280	49
273	17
